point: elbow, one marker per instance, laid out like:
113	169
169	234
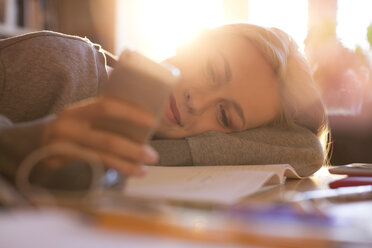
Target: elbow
312	160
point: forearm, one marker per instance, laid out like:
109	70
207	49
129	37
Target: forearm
172	152
265	145
17	141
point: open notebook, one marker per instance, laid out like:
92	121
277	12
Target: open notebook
218	184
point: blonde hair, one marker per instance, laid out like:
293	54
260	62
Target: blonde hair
301	102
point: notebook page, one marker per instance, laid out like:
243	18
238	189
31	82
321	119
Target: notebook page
220	184
283	170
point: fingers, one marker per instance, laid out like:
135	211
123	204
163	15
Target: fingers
105	142
109	108
74	125
124	166
113	150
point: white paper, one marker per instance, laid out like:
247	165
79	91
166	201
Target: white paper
219	184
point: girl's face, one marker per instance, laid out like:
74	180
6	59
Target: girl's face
226	85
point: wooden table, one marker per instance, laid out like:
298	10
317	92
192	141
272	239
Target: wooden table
208	225
184	228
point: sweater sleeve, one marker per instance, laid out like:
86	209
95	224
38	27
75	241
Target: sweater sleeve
40	73
296	146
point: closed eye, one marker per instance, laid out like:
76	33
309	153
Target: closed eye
222	116
229	113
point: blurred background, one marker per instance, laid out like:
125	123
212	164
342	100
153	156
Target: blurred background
335	35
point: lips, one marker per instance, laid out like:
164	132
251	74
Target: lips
172	112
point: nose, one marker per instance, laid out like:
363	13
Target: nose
198	101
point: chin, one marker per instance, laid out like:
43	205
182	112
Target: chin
168	133
168	130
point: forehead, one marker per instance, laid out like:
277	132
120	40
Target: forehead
253	82
240	50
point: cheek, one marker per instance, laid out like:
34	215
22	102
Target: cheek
191	71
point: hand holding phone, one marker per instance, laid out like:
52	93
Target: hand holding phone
132	100
138	81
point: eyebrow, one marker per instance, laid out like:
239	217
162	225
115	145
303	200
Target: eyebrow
239	111
227	68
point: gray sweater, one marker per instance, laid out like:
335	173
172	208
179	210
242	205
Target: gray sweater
43	72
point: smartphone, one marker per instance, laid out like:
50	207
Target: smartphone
142	82
355	169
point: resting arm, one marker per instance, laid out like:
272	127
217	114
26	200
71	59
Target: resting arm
296	146
16	141
41	73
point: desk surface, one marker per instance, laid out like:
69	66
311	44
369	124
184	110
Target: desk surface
357	213
53	228
318	181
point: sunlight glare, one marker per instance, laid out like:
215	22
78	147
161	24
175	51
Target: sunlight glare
352	27
165	24
288	15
